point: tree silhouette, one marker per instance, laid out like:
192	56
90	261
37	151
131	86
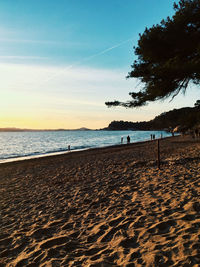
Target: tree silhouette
168	56
197	104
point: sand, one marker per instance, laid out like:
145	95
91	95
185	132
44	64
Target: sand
103	207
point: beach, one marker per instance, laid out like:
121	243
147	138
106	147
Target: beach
103	207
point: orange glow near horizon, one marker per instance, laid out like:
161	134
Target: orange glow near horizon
67	103
35	123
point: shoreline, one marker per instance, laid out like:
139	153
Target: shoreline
58	153
103	207
50	151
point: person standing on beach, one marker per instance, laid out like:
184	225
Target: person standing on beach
128	139
122	140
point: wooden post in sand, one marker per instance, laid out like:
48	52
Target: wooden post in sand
158	154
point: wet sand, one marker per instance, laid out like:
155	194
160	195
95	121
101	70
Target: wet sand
103	207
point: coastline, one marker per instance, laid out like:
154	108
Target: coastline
36	145
103	206
50	154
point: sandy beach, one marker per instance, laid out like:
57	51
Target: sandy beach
103	207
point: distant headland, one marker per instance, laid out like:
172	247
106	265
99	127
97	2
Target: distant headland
13	129
183	118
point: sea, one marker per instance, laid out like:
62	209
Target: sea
24	145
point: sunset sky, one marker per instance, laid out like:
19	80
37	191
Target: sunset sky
60	61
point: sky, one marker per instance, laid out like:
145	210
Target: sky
60	61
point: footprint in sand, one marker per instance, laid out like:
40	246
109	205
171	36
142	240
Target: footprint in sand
42	233
129	243
94	237
4	242
53	242
116	221
162	227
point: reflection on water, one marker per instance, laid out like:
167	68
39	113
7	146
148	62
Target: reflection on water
23	144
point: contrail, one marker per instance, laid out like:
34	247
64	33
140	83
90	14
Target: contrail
108	49
87	59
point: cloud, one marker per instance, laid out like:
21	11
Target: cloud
22	57
40	42
88	58
79	92
81	82
72	98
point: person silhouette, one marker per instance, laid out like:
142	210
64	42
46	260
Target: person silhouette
128	139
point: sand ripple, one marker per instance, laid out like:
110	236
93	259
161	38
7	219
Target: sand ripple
103	208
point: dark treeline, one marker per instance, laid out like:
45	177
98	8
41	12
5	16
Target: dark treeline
185	118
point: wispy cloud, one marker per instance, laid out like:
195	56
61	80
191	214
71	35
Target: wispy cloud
22	57
75	95
78	85
63	70
40	42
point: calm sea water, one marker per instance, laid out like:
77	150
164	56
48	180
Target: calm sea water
17	145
